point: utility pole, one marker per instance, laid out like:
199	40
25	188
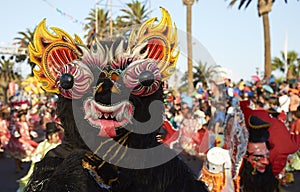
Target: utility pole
110	20
96	19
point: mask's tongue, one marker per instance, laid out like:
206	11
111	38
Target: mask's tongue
107	128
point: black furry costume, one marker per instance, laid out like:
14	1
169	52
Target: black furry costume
260	182
77	164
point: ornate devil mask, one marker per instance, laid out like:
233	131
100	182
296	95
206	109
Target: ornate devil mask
114	82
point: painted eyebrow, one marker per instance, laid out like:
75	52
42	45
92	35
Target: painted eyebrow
260	155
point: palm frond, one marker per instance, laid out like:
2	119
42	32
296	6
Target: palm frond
242	3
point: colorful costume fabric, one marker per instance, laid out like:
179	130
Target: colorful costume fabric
20	145
4	134
222	166
190	137
193	139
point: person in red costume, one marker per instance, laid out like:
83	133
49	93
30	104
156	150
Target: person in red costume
191	137
282	143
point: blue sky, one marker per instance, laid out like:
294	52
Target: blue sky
224	36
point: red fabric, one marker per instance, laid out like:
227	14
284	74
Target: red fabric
21	147
295	127
201	138
172	134
282	142
282	116
4	134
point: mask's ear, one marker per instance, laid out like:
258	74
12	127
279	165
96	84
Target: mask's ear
51	51
160	41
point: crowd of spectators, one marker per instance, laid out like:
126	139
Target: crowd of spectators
200	117
23	123
209	106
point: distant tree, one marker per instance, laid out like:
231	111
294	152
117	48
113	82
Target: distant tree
120	28
202	73
7	75
102	29
291	64
264	8
135	13
23	41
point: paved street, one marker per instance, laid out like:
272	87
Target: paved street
294	187
8	176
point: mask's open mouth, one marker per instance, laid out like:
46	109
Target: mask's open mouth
261	168
108	118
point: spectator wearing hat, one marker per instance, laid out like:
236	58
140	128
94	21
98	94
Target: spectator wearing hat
51	141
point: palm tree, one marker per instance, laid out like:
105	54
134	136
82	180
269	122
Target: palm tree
25	38
202	73
100	30
7	75
290	66
189	4
264	7
134	14
120	28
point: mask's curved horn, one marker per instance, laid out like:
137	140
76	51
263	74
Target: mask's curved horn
51	51
161	42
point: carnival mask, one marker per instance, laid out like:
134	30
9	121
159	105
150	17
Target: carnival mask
108	77
258	156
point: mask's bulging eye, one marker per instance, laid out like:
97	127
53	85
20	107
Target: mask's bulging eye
146	78
142	77
74	80
66	81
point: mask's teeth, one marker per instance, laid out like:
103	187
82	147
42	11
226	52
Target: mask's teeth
99	115
112	115
106	115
